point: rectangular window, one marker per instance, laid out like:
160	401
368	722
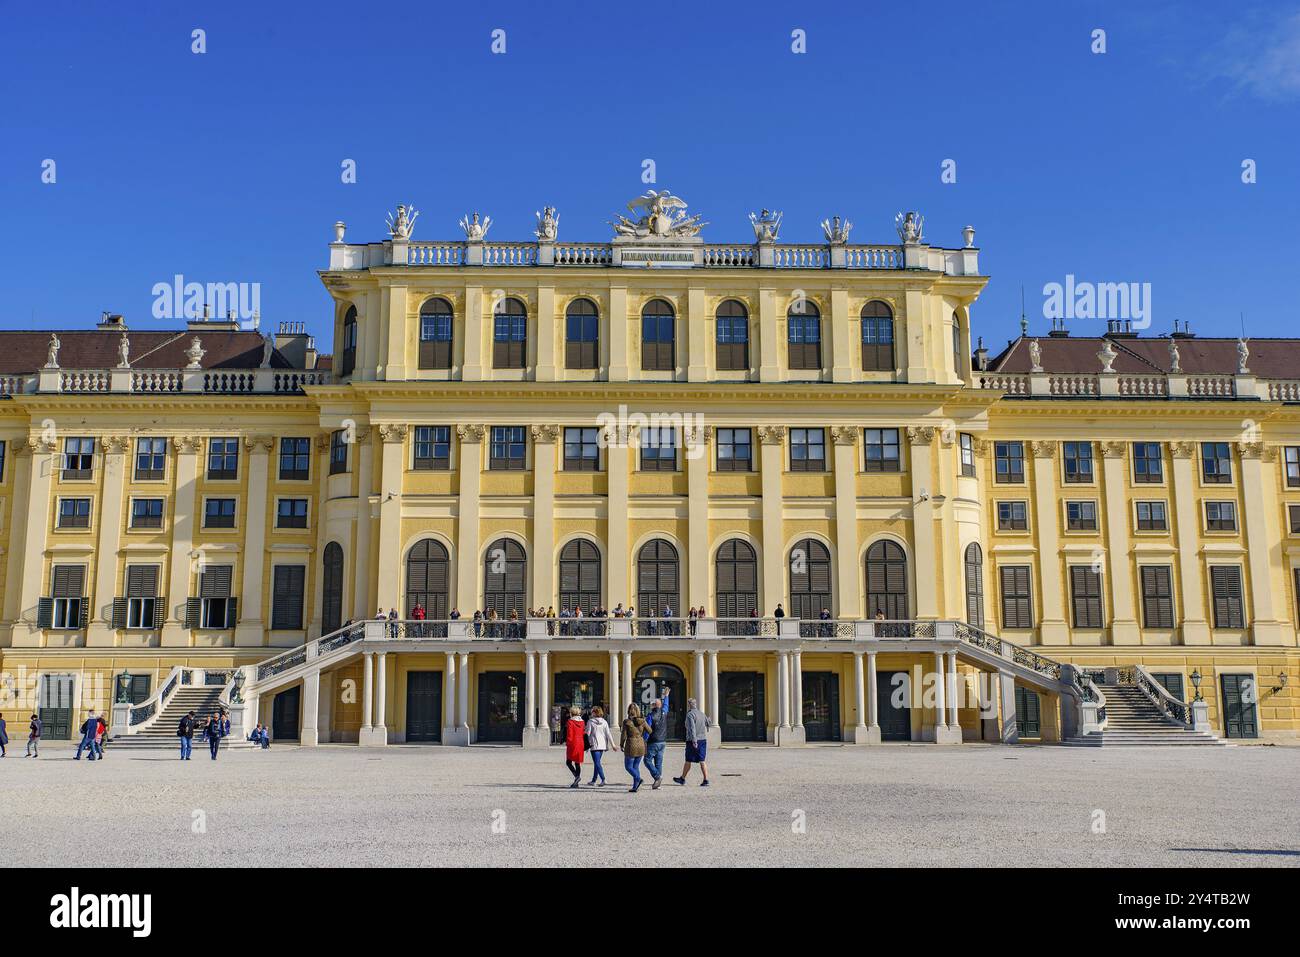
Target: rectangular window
435	340
967	446
1291	455
1157	596
1077	457
74	513
142	604
1216	463
78	458
68	597
733	343
219	513
509	341
582	338
1009	462
1013	517
295	459
338	451
881	448
150	459
432	448
1017	603
1081	516
1293	518
659	449
1085	596
146	513
1225	587
223	459
735	450
1148	464
291	513
581	449
658	346
287	592
216	607
807	450
1151	517
509	448
1221	516
804	340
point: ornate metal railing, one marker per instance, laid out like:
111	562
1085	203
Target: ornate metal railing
283	662
827	629
340	639
138	714
748	627
1169	706
979	638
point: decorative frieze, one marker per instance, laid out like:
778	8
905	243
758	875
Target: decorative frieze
259	443
119	444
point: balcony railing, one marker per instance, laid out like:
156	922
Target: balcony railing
165	381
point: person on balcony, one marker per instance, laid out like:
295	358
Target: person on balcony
575	743
669	626
419	614
477	621
393	629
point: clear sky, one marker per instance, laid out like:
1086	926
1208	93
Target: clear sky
1122	166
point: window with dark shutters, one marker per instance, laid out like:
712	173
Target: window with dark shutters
504	574
1085	596
68	606
810	579
142	605
732	337
215	608
1157	596
427	579
510	335
435	334
348	358
974	561
804	335
287	592
582	335
877	337
332	589
580	576
1225	586
1017	602
736	576
508	449
887	581
657	576
658	337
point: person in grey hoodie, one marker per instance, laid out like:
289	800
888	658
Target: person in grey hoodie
697	741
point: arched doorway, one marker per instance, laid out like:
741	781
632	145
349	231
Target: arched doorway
657	578
579	576
427	582
331	612
651	682
974	585
505	570
887	581
810	584
735	585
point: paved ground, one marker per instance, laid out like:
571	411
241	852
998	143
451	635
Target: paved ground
411	805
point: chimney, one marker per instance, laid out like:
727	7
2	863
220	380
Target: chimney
982	357
111	322
1120	329
1058	330
1185	332
293	342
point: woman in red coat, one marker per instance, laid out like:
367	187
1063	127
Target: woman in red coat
575	744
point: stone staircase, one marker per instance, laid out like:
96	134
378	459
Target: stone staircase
161	733
1133	721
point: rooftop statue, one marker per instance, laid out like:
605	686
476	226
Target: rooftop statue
475	229
195	354
1175	361
548	224
766	225
1035	356
52	357
909	226
401	223
1243	353
836	230
124	352
1107	354
663	216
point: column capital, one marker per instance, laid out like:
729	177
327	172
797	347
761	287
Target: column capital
547	434
1112	450
771	434
1182	450
392	432
695	435
259	443
920	434
188	444
36	445
1252	450
1043	450
470	433
118	444
844	434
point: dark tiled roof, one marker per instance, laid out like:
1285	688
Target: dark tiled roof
25	352
1269	358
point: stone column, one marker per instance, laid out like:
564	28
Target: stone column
395	364
697	325
697	530
697	680
310	735
381	701
251	628
616	544
543	563
615	704
530	691
862	728
926	571
951	686
1195	627
362	605
629	693
848	591
841	344
389	561
1052	630
367	694
184	518
1259	485
472	366
772	438
769	341
873	726
1010	727
940	698
618	322
798	734
546	334
467	532
715	705
1124	625
544	694
99	631
782	696
449	694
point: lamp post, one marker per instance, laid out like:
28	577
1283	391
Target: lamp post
1196	683
1281	682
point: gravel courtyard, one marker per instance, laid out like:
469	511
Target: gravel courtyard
494	806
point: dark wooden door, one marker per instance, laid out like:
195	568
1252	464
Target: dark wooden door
821	706
55	707
501	706
744	716
284	715
1028	713
424	706
1239	707
893	711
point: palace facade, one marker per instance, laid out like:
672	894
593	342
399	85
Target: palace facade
964	546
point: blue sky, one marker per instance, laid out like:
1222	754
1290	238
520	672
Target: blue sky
225	167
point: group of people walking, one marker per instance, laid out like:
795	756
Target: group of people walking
214	728
34	728
642	741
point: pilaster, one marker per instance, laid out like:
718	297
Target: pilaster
772	439
1052	630
1124	626
99	630
467	533
545	438
251	629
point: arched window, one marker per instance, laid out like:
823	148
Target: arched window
582	335
658	352
331	612
348	359
736	585
580	576
810	581
877	337
505	570
657	578
510	335
974	585
804	334
733	336
428	579
435	334
887	581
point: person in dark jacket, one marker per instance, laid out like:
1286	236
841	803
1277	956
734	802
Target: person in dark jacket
89	728
654	749
213	732
633	744
4	737
185	731
575	744
34	738
101	734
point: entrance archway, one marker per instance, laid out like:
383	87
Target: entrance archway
650	683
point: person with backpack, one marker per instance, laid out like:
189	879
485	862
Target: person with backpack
635	731
185	731
34	738
89	728
575	744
